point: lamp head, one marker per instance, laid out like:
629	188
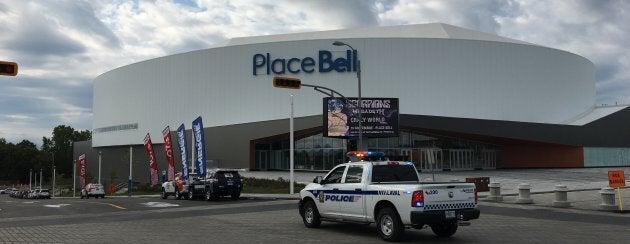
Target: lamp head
338	43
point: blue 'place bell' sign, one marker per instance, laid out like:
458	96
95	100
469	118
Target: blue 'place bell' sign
325	62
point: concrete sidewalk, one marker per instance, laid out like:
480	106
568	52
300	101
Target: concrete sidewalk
583	184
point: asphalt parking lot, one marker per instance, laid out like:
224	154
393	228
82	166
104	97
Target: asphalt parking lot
273	218
154	220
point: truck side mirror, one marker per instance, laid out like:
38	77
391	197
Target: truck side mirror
318	180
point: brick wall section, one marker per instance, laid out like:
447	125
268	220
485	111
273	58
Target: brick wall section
542	156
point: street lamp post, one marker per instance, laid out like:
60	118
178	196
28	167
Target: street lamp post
41	171
99	167
54	178
291	150
74	177
130	168
339	43
53	174
30	178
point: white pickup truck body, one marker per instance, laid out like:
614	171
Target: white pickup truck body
389	194
178	188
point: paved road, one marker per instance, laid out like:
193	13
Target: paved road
266	221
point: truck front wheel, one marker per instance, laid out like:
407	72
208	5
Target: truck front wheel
389	225
311	215
446	229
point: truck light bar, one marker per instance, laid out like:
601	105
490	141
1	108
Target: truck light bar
361	154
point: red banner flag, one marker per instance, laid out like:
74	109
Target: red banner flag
152	163
82	173
168	149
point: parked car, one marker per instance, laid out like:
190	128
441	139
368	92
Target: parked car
10	190
32	194
217	183
93	190
15	193
3	191
21	193
43	194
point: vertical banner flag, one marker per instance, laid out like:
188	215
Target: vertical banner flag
152	163
197	127
82	173
181	139
168	149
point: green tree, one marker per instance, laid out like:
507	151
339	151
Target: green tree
59	146
17	159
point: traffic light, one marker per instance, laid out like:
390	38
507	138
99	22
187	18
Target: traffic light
286	82
8	68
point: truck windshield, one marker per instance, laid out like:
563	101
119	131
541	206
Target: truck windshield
393	173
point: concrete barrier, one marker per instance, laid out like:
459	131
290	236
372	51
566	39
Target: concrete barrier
524	194
495	192
561	197
608	199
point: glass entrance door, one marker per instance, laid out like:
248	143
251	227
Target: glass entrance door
262	159
428	159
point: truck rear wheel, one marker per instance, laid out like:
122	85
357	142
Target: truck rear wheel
389	225
446	229
311	215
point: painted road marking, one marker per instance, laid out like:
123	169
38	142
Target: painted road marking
116	206
159	204
57	205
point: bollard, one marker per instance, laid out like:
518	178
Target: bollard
524	195
561	197
495	192
608	199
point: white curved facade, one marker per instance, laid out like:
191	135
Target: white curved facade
434	69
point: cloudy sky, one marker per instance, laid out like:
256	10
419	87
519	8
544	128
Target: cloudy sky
61	46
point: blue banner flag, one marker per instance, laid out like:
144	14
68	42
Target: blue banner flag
197	127
183	150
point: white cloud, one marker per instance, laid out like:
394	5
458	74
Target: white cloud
63	45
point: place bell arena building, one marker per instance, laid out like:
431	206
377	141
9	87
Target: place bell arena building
465	100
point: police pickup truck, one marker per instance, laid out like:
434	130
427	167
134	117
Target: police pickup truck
372	189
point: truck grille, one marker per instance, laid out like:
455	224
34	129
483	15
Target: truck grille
443	206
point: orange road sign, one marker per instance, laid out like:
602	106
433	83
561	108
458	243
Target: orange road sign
616	178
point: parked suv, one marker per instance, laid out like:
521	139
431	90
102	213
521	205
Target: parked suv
223	182
217	183
93	190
